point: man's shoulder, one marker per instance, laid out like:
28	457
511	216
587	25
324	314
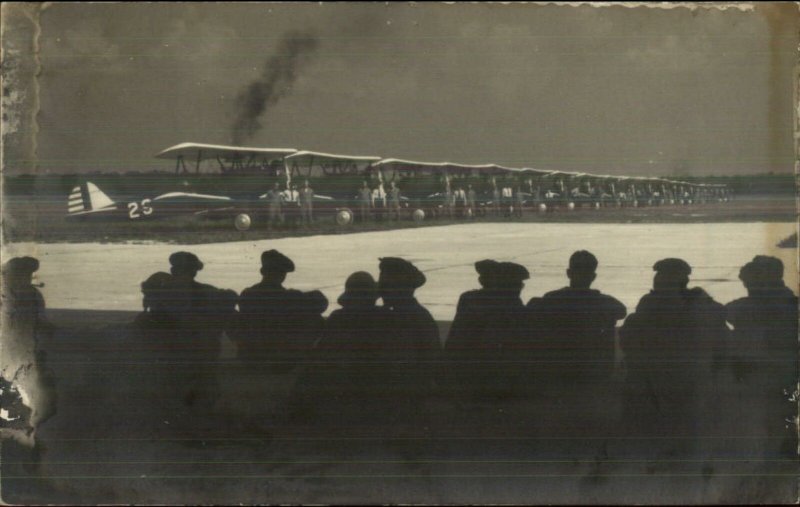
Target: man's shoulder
558	293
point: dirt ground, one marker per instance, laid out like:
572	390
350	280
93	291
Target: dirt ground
111	443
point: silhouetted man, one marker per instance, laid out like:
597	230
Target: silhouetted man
487	329
412	327
23	326
187	319
672	345
354	362
278	324
764	353
577	323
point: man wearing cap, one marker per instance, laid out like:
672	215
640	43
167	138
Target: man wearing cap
278	323
23	326
192	318
353	356
488	326
577	324
764	354
673	345
411	327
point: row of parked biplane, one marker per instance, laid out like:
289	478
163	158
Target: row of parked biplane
427	189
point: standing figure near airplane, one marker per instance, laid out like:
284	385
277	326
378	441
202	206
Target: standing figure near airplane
448	200
292	205
764	354
364	201
275	198
519	202
471	199
508	201
394	200
379	201
460	198
673	345
307	203
495	198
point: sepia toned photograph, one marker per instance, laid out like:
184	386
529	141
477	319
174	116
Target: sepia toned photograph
399	253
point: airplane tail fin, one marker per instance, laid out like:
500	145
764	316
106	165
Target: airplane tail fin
88	198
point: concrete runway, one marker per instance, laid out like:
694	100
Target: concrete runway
107	276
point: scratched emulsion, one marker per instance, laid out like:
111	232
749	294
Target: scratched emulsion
105	101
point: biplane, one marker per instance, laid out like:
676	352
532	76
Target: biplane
258	167
427	188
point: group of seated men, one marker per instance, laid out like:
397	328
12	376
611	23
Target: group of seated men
677	340
679	345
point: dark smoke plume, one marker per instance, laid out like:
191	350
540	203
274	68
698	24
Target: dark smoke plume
275	83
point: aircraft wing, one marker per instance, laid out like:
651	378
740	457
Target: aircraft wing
308	157
199	151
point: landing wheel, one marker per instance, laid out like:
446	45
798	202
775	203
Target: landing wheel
418	215
344	217
242	222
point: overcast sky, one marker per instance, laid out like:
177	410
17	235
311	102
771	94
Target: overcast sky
605	90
